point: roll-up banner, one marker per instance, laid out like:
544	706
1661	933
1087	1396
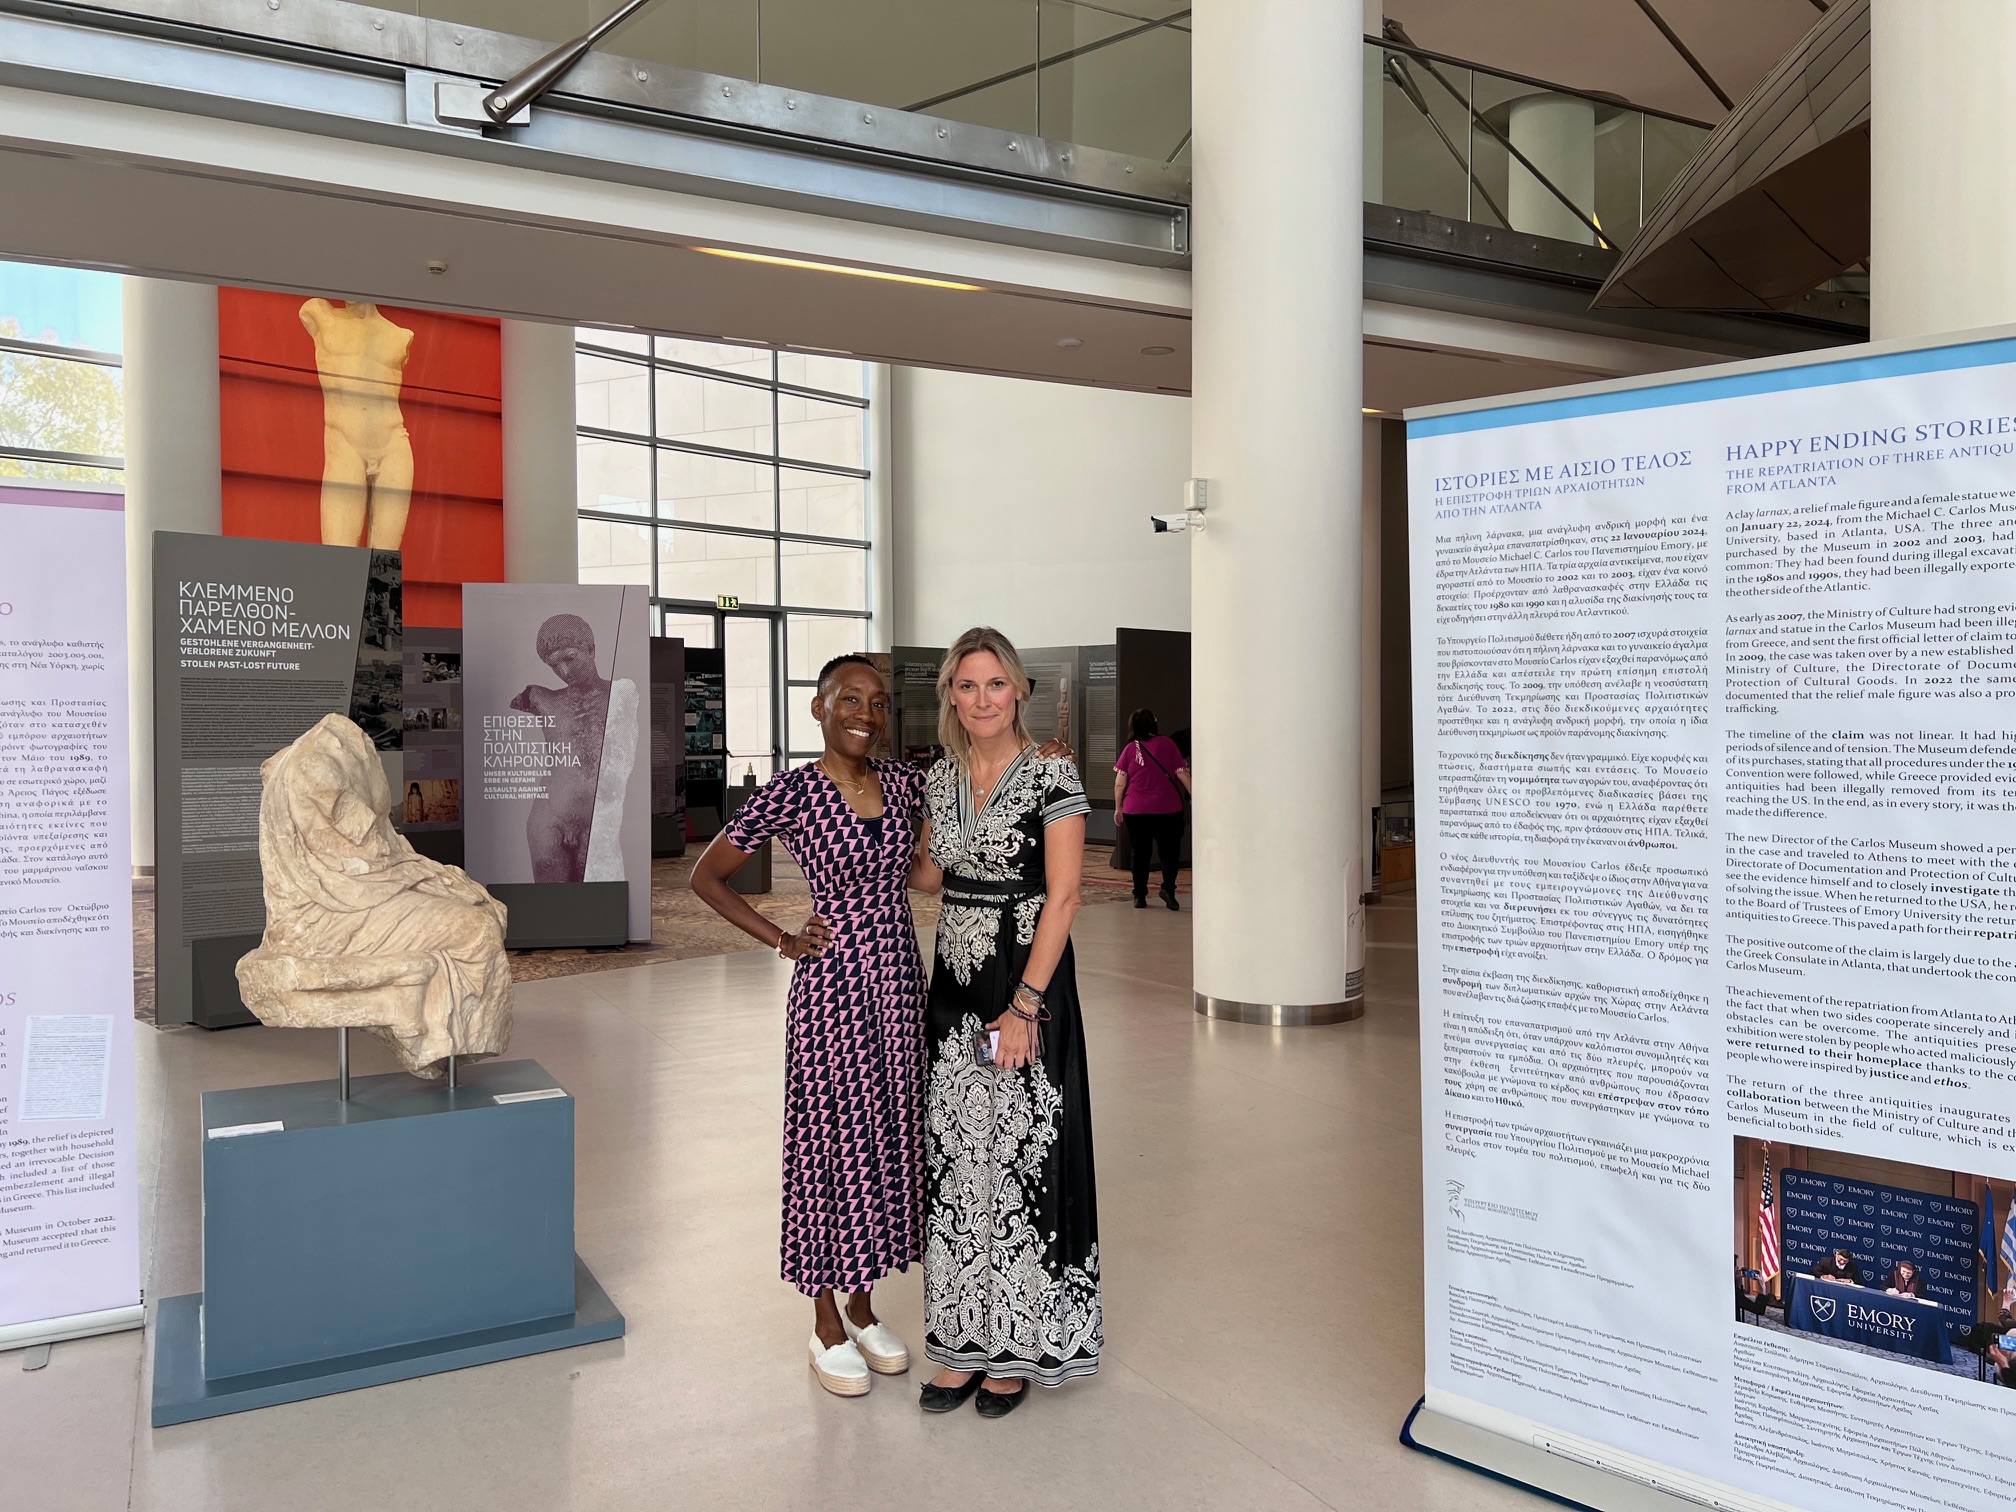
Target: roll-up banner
69	1212
557	799
254	641
668	745
1715	705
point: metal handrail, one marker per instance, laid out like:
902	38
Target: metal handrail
1477	117
1395	69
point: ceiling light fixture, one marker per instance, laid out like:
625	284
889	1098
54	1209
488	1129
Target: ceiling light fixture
1070	341
1156	351
826	267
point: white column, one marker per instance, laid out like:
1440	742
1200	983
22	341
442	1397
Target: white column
1558	135
1369	604
1276	430
174	481
1941	162
540	534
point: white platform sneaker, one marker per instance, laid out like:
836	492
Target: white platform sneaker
840	1369
878	1344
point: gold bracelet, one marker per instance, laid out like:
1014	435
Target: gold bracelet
782	935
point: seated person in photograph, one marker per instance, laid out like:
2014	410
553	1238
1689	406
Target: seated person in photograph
1904	1280
1750	1294
1839	1266
2002	1355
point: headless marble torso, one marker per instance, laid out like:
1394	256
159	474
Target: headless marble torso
367	458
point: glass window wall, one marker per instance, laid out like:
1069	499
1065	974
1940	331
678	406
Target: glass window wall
708	470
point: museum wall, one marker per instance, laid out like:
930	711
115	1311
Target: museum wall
1026	505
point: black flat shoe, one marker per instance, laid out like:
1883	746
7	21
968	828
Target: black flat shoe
997	1404
1140	900
1170	899
945	1398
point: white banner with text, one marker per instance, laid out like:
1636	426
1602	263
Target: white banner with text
69	1228
1715	735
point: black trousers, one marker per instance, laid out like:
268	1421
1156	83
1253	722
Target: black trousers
1162	831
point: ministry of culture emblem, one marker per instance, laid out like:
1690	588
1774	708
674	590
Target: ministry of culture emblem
1823	1308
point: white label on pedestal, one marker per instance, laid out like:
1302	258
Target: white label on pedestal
539	1096
66	1068
232	1131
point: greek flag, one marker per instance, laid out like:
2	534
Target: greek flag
2009	1242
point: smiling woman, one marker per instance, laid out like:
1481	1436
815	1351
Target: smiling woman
1011	1261
855	1018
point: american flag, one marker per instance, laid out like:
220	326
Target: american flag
1767	1227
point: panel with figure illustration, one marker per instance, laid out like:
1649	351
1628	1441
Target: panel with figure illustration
558	791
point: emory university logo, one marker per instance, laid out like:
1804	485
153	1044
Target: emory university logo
1823	1308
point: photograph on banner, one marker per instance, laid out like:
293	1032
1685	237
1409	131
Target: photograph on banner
69	1167
1712	711
354	424
913	681
254	641
1873	1255
432	796
554	682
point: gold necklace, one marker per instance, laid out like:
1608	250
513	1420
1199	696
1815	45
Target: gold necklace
842	782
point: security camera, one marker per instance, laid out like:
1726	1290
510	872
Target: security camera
1196	492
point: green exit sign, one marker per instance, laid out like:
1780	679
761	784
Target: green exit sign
727	601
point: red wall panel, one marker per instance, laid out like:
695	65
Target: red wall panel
451	396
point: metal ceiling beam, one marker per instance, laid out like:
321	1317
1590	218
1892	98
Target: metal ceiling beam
1700	71
353	72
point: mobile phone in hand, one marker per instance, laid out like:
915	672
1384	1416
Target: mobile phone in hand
986	1046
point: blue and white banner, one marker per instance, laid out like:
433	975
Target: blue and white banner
1715	705
69	1169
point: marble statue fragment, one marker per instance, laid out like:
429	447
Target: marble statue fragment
361	931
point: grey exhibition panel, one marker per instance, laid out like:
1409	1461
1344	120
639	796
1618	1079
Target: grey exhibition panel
413	1229
560	915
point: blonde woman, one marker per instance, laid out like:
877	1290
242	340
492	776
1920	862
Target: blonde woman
1011	1238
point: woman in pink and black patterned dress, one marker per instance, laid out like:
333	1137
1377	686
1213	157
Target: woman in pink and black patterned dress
854	1044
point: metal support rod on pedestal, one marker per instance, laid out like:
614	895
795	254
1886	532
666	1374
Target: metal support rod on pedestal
451	1073
343	1065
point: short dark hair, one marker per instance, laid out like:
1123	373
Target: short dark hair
564	632
826	672
1141	724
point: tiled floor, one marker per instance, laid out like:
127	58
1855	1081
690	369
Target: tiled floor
1260	1220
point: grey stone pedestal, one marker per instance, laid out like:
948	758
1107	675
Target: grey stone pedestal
415	1228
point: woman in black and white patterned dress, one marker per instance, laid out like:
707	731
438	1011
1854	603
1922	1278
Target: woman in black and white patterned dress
1011	1242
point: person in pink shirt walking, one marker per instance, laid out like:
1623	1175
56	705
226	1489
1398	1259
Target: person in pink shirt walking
1151	783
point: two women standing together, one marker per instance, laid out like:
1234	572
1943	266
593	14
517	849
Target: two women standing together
947	1122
